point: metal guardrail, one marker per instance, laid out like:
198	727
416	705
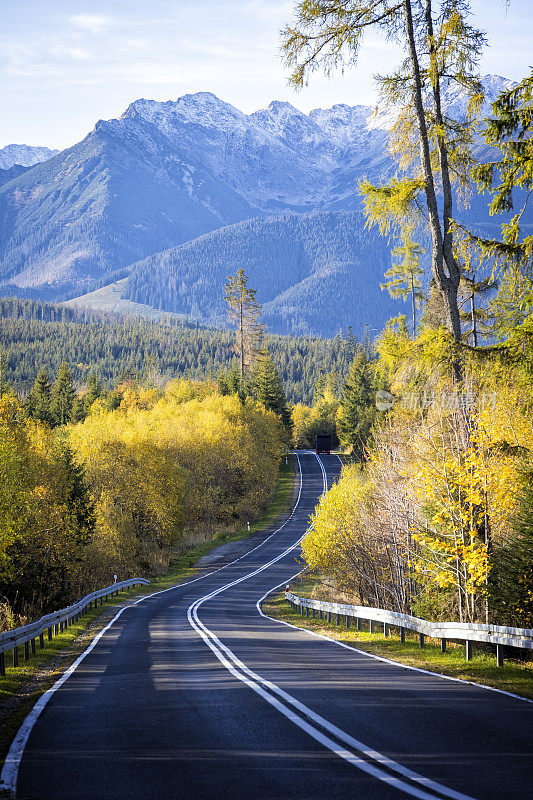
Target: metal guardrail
55	623
499	635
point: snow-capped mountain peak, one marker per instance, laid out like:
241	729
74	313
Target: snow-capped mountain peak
24	154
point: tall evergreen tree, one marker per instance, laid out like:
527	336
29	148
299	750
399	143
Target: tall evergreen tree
63	396
358	406
245	312
39	401
94	391
269	391
404	276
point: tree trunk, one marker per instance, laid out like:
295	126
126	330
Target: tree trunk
447	284
413	300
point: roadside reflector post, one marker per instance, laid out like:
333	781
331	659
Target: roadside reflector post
469	650
248	527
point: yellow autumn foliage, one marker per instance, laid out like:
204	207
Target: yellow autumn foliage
169	466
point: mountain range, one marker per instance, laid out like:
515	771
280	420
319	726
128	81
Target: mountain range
25	155
227	189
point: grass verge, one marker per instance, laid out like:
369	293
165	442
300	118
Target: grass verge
514	676
21	687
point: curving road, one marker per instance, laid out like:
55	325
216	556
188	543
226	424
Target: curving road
192	693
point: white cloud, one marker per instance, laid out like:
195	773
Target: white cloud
94	23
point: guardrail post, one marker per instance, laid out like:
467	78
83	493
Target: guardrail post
32	643
443	644
307	611
41	639
386	630
402	635
50	633
329	616
358	621
56	629
422	640
61	626
2	664
348	622
469	649
314	612
371	626
338	619
499	655
26	651
15	656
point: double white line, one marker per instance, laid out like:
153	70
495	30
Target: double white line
330	736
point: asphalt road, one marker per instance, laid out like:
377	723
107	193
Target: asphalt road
192	693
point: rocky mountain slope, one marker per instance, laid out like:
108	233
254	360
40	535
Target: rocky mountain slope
165	173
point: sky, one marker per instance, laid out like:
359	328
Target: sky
64	64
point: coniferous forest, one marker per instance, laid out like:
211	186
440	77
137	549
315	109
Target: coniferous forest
35	334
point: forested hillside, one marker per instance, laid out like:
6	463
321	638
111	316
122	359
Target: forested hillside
137	349
301	267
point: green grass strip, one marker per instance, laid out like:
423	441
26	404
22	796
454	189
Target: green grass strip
514	676
22	686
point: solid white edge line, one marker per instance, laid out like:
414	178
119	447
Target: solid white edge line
9	774
254	681
376	657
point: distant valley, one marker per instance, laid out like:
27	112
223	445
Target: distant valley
172	197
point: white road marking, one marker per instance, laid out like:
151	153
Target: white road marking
9	774
288	708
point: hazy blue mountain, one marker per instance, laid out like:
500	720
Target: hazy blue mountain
165	173
12	172
314	273
24	154
113	198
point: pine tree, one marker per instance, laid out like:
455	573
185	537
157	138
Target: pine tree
244	311
509	130
472	290
404	276
94	391
39	401
63	396
358	406
269	391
